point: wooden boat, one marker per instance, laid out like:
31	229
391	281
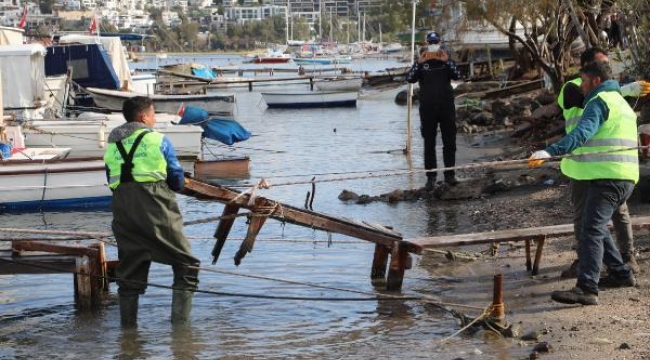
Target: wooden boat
87	134
339	84
222	167
215	104
311	99
44	179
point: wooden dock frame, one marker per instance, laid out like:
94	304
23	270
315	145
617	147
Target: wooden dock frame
537	234
87	264
388	243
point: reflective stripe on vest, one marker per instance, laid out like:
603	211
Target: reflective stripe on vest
571	115
596	159
149	164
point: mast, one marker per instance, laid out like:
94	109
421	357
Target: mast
331	39
320	21
286	24
364	27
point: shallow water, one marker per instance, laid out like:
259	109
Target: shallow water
37	314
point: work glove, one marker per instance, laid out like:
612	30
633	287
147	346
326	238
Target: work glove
538	158
636	89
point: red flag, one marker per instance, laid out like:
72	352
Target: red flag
93	26
23	20
181	110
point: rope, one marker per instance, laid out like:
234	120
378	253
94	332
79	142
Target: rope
483	315
486	164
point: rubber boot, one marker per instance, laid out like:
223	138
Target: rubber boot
181	307
129	311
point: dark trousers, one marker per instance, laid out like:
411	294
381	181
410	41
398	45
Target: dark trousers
432	116
596	246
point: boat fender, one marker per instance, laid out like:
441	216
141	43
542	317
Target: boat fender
101	135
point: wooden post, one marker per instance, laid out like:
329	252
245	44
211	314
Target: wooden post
538	254
99	282
379	264
398	260
250	86
256	222
83	288
498	310
529	265
311	83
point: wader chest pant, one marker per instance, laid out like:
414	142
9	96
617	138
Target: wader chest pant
148	226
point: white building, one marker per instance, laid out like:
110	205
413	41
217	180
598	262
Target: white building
255	13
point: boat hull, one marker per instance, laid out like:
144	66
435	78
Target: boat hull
222	168
88	137
38	185
339	84
313	99
214	104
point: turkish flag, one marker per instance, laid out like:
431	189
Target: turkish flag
181	110
93	26
23	20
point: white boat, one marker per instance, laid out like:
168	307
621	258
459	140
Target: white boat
87	134
311	99
44	179
339	84
214	104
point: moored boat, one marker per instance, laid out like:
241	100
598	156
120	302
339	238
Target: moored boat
339	84
44	179
311	99
216	104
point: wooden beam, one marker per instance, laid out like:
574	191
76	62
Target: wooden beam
379	264
297	216
223	229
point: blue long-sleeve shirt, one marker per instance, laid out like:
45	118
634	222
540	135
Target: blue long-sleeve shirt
595	114
175	174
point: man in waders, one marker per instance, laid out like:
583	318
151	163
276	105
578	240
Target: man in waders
605	157
571	101
433	71
143	172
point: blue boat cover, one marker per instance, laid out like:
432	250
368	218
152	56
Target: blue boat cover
91	66
227	131
205	73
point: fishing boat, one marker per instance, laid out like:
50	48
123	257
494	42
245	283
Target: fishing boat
86	135
215	104
272	58
339	84
311	99
45	179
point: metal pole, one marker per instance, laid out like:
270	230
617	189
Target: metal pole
409	100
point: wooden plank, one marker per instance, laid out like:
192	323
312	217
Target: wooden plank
254	227
82	281
38	264
223	229
513	90
23	246
293	215
638	223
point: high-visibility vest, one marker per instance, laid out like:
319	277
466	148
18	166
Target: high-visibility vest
617	132
149	164
571	115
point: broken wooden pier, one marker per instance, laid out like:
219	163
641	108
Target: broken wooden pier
388	243
87	264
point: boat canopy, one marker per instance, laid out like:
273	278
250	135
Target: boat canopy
11	36
113	46
91	65
24	60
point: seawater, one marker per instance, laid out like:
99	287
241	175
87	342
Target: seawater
37	314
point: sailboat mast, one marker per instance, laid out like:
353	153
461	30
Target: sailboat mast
286	24
320	20
331	39
364	27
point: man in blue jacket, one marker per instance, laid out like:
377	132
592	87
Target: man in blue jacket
433	71
604	155
143	173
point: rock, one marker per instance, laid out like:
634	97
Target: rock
624	346
534	335
364	199
346	195
546	112
543	347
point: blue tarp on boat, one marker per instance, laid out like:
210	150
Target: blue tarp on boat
227	131
91	66
205	73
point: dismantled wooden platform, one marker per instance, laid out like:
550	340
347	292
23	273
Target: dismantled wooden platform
387	242
87	264
537	234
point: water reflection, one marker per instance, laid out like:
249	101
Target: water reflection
131	345
442	218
